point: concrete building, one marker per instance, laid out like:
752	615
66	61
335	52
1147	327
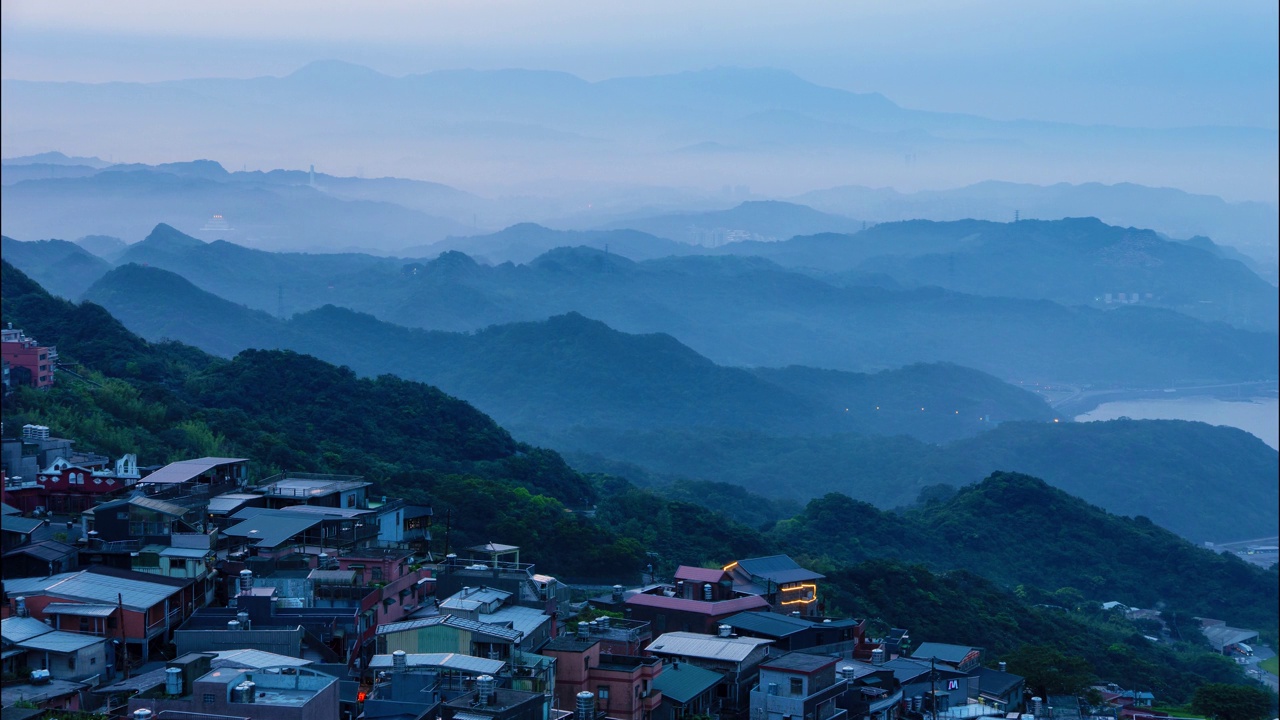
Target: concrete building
738	659
30	363
798	685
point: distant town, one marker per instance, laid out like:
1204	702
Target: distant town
195	590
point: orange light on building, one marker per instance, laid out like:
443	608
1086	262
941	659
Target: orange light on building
813	594
730	566
360	696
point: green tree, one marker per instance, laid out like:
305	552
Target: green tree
1049	671
1232	702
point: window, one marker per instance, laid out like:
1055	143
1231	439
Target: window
603	693
93	661
797	686
377	573
208	698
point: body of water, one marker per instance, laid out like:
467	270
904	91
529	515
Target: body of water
1257	416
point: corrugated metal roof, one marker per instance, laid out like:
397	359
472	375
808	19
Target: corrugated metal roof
493	548
330	511
79	609
21	629
59	641
723	607
47	550
13	587
7	509
159	506
450	661
19	524
778	568
708	647
228	502
187	470
185	552
769	623
256	659
273	527
686	681
697	574
1218	636
340	577
476	598
522	619
942	651
799	662
84	585
451	621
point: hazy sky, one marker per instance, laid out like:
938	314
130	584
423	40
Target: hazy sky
1146	63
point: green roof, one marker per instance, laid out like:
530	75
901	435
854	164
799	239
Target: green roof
683	682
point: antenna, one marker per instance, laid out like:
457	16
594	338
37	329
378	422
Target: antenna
1016	216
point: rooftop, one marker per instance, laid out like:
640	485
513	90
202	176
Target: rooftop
703	607
707	647
943	652
19	524
79	609
682	682
697	574
250	658
21	629
187	470
498	631
96	586
447	661
271	528
60	642
778	568
310	485
799	662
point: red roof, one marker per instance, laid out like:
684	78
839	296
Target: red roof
702	607
697	574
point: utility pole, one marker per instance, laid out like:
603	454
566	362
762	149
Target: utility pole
124	646
933	687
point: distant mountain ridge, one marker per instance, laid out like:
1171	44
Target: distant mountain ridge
742	310
772	129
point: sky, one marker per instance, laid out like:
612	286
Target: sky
1172	63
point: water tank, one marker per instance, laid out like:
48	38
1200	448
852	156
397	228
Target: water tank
243	618
1004	666
617	593
724	630
706	592
584	630
484	690
1037	706
141	714
233	624
250	690
399	661
324	561
586	705
20	606
847	672
877	656
173	681
603	623
246	580
40	677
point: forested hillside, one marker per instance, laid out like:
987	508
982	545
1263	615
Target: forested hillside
284	410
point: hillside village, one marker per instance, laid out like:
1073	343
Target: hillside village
197	590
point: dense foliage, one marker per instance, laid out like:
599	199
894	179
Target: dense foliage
288	411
